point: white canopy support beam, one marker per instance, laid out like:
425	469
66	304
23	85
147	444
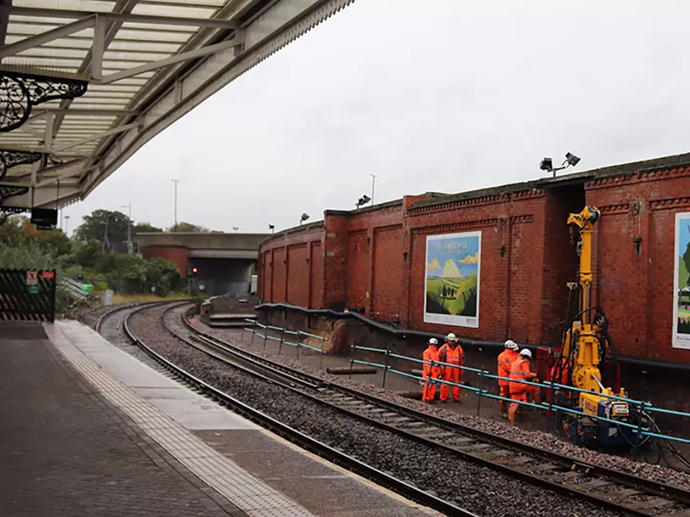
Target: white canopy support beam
177	58
45	197
75	167
39	12
45	37
97	49
113	131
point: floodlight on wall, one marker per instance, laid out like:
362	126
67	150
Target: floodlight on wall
363	200
546	164
303	218
272	227
570	161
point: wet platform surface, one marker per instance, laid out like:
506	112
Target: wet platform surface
87	429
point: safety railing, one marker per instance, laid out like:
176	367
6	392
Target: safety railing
263	331
550	407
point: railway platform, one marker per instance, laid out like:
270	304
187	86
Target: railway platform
89	430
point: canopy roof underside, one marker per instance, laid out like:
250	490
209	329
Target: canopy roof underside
145	63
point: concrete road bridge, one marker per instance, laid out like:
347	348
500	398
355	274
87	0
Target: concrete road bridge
216	263
84	86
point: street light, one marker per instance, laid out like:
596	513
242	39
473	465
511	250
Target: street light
128	206
547	163
373	184
175	182
362	200
303	218
235	228
67	225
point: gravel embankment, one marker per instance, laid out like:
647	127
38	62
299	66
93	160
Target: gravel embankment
478	489
540	439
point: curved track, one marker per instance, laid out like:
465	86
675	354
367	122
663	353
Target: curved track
609	488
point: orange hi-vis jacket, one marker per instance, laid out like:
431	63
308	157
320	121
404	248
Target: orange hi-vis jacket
505	359
519	370
429	355
452	355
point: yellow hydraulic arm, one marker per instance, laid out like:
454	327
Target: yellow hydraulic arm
582	340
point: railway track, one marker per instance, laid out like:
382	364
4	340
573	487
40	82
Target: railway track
612	489
295	436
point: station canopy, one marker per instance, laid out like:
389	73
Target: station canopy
85	83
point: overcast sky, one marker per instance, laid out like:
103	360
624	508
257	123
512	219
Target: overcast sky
440	95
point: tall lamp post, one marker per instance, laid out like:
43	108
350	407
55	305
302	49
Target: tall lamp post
175	182
373	184
128	206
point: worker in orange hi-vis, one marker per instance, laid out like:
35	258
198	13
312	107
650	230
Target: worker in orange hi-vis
451	353
505	359
519	371
431	370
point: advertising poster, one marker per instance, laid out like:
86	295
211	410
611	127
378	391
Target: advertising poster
681	295
451	294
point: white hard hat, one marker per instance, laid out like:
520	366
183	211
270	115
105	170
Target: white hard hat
451	337
526	352
511	344
433	341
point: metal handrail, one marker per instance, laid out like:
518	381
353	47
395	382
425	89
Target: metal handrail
551	407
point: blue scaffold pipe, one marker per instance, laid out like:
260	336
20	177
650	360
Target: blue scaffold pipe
665	437
377	365
303	345
312	335
667	411
404	374
413	359
368	349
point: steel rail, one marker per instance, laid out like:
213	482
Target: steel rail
670	493
295	436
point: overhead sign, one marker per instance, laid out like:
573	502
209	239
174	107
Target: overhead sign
451	287
681	284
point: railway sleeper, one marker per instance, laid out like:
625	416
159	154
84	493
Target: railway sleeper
595	484
426	432
652	503
523	460
476	447
413	424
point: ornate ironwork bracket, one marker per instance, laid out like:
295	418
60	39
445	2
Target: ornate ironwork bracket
11	157
19	91
11	190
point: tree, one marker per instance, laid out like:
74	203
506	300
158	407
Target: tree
95	225
145	228
18	231
188	227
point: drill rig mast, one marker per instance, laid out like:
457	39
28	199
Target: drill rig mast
584	346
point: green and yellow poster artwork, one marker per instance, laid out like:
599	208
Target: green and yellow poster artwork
681	291
453	264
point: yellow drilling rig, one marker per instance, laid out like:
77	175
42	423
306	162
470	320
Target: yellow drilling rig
585	345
